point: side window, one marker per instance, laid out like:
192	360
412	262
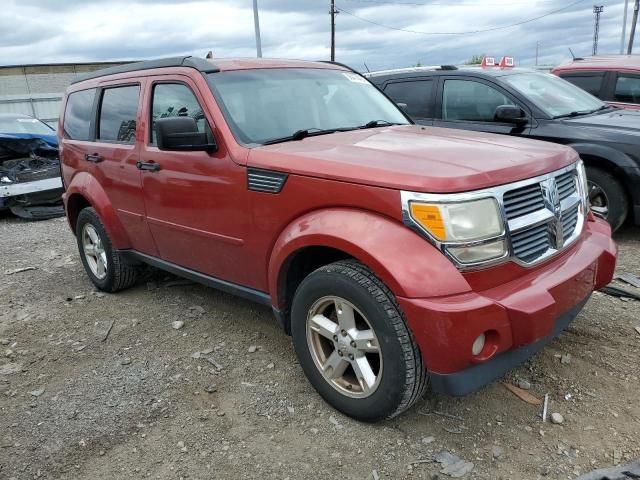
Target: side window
174	100
628	89
471	101
588	83
77	115
118	113
415	94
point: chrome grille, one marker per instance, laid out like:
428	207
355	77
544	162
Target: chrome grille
544	215
569	221
531	243
523	200
566	184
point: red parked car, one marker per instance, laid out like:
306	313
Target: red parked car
614	79
395	255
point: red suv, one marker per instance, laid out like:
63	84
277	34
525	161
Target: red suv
614	79
395	255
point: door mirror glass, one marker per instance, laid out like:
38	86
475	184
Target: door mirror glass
510	114
181	134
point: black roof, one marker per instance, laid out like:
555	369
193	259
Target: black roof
199	64
379	77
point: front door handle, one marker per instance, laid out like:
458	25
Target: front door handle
93	157
150	166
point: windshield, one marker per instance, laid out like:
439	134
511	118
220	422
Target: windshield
24	125
265	105
556	97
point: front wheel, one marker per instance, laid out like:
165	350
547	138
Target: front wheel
353	343
607	197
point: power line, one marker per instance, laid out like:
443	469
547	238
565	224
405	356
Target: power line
492	29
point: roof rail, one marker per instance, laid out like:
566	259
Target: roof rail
199	64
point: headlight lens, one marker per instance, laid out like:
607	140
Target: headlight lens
468	230
461	221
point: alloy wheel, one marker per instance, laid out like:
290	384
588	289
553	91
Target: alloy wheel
344	347
94	251
598	199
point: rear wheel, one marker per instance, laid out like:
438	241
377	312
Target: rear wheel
353	343
104	265
607	197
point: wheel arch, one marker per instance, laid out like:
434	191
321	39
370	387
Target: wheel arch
406	263
608	159
85	191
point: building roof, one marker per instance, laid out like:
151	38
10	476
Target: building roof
602	62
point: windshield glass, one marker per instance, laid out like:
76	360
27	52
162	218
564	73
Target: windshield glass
554	96
24	125
264	105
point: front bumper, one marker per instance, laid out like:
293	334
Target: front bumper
518	317
25	188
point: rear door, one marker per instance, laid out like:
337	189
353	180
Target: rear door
417	94
592	82
626	90
111	153
195	200
470	103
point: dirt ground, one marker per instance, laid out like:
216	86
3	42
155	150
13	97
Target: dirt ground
146	400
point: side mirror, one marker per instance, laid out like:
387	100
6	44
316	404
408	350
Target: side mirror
403	106
510	114
181	134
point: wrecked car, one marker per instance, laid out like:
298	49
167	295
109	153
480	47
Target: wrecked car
30	184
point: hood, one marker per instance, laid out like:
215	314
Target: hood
421	159
52	139
619	120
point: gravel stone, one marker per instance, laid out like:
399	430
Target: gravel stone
557	418
177	325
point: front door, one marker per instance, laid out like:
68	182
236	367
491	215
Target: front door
470	104
195	201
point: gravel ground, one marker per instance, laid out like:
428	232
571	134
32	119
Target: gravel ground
103	386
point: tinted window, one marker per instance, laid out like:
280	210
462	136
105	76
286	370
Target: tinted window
415	94
589	83
628	89
471	101
78	114
118	114
175	100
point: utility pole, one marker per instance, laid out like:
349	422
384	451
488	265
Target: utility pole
633	26
333	13
537	51
623	39
596	30
256	24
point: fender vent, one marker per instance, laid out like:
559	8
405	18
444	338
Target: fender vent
265	180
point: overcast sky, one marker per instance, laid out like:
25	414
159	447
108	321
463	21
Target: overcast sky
48	31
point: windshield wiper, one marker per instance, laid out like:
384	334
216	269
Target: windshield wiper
304	133
378	123
583	112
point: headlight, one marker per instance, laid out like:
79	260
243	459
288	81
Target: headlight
471	231
583	185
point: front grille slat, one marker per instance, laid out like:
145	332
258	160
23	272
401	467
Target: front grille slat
530	244
523	201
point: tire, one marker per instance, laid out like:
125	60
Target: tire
607	196
400	374
115	273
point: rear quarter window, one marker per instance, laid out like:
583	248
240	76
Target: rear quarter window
77	117
118	113
589	83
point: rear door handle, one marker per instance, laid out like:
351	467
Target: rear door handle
150	166
93	157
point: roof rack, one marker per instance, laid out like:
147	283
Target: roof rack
199	64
